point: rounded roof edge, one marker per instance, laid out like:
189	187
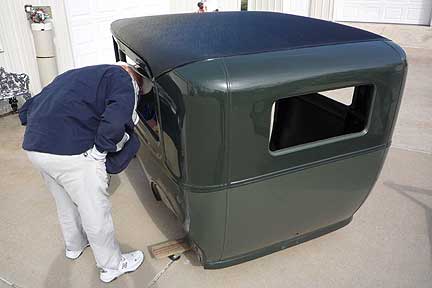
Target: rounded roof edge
169	41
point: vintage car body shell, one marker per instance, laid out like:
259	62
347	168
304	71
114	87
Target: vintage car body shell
236	198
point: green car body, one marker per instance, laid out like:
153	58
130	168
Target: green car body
213	166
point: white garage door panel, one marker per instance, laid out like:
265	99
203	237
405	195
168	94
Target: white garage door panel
298	7
385	11
81	35
415	13
80	7
89	22
89	25
393	13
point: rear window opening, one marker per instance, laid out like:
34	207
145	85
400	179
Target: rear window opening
318	116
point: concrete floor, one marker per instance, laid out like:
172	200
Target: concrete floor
414	126
388	243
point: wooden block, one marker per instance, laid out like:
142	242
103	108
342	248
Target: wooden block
168	248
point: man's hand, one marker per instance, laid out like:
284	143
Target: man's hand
96	155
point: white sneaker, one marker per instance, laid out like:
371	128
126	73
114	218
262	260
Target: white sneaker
75	254
129	263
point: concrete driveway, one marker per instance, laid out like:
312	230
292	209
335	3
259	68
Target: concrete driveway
388	243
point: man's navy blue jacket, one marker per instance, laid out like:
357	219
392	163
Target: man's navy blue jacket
81	108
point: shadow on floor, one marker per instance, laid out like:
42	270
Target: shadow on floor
408	191
113	184
164	219
61	269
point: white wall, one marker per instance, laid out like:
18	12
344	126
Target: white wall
187	6
417	12
230	5
81	28
297	7
17	40
322	9
384	11
265	5
183	6
89	22
89	25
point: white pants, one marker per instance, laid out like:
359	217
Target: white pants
79	185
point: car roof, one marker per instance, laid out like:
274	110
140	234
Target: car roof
169	41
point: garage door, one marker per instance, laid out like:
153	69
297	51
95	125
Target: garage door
384	11
89	25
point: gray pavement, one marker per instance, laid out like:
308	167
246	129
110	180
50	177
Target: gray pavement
414	126
388	243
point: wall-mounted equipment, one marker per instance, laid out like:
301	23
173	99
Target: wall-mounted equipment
42	29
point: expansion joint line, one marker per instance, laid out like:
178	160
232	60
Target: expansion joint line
9	283
167	266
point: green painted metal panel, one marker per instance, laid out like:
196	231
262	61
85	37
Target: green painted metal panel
201	90
257	81
208	222
237	199
297	203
